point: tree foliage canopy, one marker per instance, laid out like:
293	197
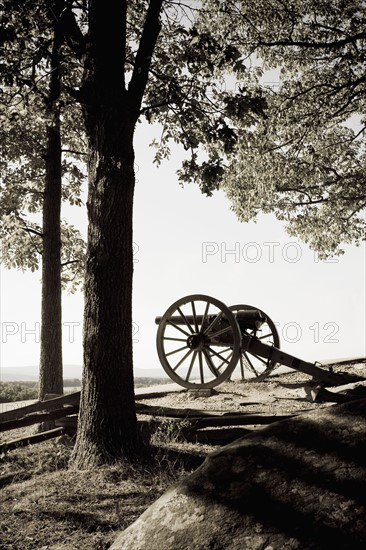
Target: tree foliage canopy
25	112
305	160
188	94
294	148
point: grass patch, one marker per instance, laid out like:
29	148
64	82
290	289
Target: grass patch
44	505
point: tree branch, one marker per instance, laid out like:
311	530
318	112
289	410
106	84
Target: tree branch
144	54
74	152
64	264
307	203
315	45
33	231
34	243
156	106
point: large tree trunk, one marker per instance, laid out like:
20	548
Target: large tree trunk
107	423
107	427
107	419
51	380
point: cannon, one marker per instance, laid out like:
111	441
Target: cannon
200	341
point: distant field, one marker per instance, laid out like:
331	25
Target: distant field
13	392
69	389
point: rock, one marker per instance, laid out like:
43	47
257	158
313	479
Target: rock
202	392
296	484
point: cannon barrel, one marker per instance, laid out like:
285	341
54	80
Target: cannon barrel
247	319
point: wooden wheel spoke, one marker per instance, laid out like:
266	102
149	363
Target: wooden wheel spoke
213	352
225	361
219	332
175	351
177	327
261	359
210	363
242	370
191	366
175	339
265	336
194	316
205	316
185	320
182	360
201	367
226	349
210	327
252	367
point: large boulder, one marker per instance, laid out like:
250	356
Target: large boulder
299	483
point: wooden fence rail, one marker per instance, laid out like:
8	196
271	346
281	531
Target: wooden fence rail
62	411
48	405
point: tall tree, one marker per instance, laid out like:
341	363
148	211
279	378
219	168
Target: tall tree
107	420
33	166
51	379
306	160
141	60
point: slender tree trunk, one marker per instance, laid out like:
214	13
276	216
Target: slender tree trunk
51	325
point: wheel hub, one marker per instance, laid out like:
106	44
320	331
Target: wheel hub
196	341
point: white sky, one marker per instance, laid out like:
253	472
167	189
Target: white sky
182	246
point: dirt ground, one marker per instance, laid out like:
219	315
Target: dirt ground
281	393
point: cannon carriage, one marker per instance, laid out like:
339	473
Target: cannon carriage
201	341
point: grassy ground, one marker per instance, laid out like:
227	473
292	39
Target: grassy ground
44	505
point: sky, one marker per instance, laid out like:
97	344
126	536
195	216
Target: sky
186	243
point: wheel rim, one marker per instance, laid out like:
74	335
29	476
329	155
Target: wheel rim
254	368
191	342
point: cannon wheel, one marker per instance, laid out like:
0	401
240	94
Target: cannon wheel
254	368
188	342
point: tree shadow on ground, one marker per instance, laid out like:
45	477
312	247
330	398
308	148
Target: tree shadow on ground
302	479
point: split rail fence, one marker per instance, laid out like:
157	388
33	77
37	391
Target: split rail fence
192	425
